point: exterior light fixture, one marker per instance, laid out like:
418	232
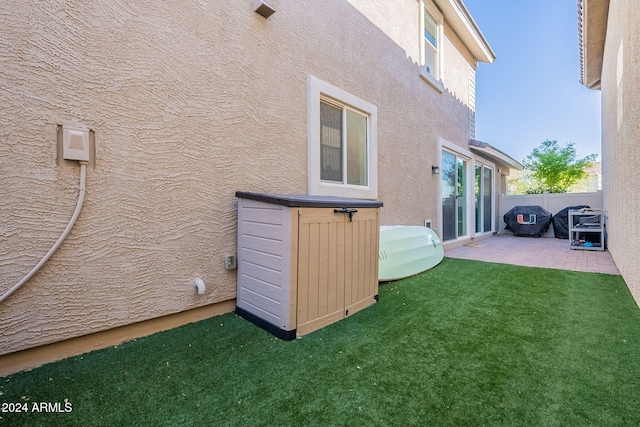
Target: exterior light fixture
262	8
435	170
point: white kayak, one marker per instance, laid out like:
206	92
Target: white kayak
407	250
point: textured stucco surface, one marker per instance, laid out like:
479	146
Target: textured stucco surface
189	101
621	138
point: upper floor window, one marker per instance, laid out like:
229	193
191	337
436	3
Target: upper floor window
431	49
430	44
342	143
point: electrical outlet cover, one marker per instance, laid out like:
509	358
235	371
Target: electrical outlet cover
75	143
230	262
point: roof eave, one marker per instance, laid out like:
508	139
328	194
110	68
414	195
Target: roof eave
592	30
494	154
458	16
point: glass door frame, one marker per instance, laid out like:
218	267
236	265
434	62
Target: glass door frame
469	202
462	230
484	165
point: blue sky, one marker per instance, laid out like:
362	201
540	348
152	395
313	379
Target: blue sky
532	91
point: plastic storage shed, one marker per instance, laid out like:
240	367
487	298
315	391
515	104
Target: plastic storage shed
528	221
305	262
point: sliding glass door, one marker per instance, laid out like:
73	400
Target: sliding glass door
454	196
483	198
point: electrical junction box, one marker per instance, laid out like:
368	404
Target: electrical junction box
75	143
230	262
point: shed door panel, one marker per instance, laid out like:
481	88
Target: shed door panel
337	265
362	260
321	264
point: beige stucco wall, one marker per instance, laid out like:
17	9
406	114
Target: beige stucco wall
189	101
621	138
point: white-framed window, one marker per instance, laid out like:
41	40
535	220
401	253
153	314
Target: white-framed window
431	22
342	143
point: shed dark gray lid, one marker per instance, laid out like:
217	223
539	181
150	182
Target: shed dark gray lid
301	201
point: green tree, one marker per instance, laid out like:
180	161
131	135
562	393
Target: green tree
554	169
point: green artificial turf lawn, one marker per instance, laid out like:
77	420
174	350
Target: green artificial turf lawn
466	343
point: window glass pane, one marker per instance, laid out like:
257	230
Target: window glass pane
430	56
330	143
478	185
449	194
486	188
430	29
462	196
430	44
356	148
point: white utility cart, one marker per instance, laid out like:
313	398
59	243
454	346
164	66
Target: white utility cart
587	229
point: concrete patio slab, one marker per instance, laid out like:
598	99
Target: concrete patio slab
535	252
